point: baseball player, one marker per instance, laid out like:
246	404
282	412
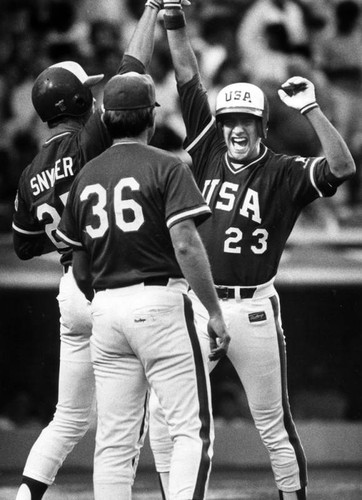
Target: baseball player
137	206
255	196
62	97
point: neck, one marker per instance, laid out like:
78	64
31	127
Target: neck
141	138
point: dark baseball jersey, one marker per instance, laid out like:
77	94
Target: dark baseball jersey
254	205
44	184
120	209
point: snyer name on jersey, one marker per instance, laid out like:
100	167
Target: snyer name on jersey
46	179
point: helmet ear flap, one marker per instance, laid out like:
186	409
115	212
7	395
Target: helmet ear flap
82	100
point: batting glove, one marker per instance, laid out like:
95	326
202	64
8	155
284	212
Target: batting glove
298	93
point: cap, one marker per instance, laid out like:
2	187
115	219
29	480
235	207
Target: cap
78	71
129	91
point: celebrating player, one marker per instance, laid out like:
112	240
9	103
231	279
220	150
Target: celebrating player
62	97
138	206
255	196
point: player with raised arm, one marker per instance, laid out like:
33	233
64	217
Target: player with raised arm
133	213
256	197
62	97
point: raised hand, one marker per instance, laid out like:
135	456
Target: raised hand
298	93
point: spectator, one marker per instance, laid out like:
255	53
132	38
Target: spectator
339	56
270	33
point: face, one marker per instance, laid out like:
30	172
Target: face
241	135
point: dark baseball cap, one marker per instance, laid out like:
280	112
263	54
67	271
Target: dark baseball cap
129	91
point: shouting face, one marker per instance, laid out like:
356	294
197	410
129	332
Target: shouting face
242	135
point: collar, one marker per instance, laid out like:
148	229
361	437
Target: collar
236	166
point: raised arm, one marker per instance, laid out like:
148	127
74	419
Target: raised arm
182	53
141	44
299	93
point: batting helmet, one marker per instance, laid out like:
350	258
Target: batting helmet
63	90
244	98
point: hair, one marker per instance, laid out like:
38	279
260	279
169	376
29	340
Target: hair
128	123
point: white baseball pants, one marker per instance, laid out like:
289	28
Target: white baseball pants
145	336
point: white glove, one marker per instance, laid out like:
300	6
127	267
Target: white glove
298	93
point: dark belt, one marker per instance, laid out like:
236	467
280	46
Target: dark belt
224	293
151	281
156	281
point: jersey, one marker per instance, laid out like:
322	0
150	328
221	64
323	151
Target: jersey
121	208
45	183
254	205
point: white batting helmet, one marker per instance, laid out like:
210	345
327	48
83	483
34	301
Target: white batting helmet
244	98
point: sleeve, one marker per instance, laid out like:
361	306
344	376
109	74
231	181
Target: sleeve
93	138
24	221
67	230
204	140
309	178
183	199
196	111
29	236
130	63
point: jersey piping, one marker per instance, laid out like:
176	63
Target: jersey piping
55	137
312	179
187	215
199	137
234	170
65	238
23	231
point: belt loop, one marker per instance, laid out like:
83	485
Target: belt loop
237	294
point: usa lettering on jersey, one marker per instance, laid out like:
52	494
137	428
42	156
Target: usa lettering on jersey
250	207
46	179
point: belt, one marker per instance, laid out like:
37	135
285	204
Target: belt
156	281
225	293
151	281
66	268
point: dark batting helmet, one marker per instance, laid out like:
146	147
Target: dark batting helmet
63	90
244	98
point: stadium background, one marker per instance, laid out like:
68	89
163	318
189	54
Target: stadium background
320	279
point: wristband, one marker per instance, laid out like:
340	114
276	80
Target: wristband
172	5
308	108
153	4
175	22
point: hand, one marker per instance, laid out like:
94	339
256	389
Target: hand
297	93
219	337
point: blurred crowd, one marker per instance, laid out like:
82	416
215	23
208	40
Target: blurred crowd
261	41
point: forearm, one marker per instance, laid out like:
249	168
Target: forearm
183	57
141	44
335	149
193	261
28	247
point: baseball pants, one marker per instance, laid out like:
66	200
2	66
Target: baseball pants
258	353
145	336
76	386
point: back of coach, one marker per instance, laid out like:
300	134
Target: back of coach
123	204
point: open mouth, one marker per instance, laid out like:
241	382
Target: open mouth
239	143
